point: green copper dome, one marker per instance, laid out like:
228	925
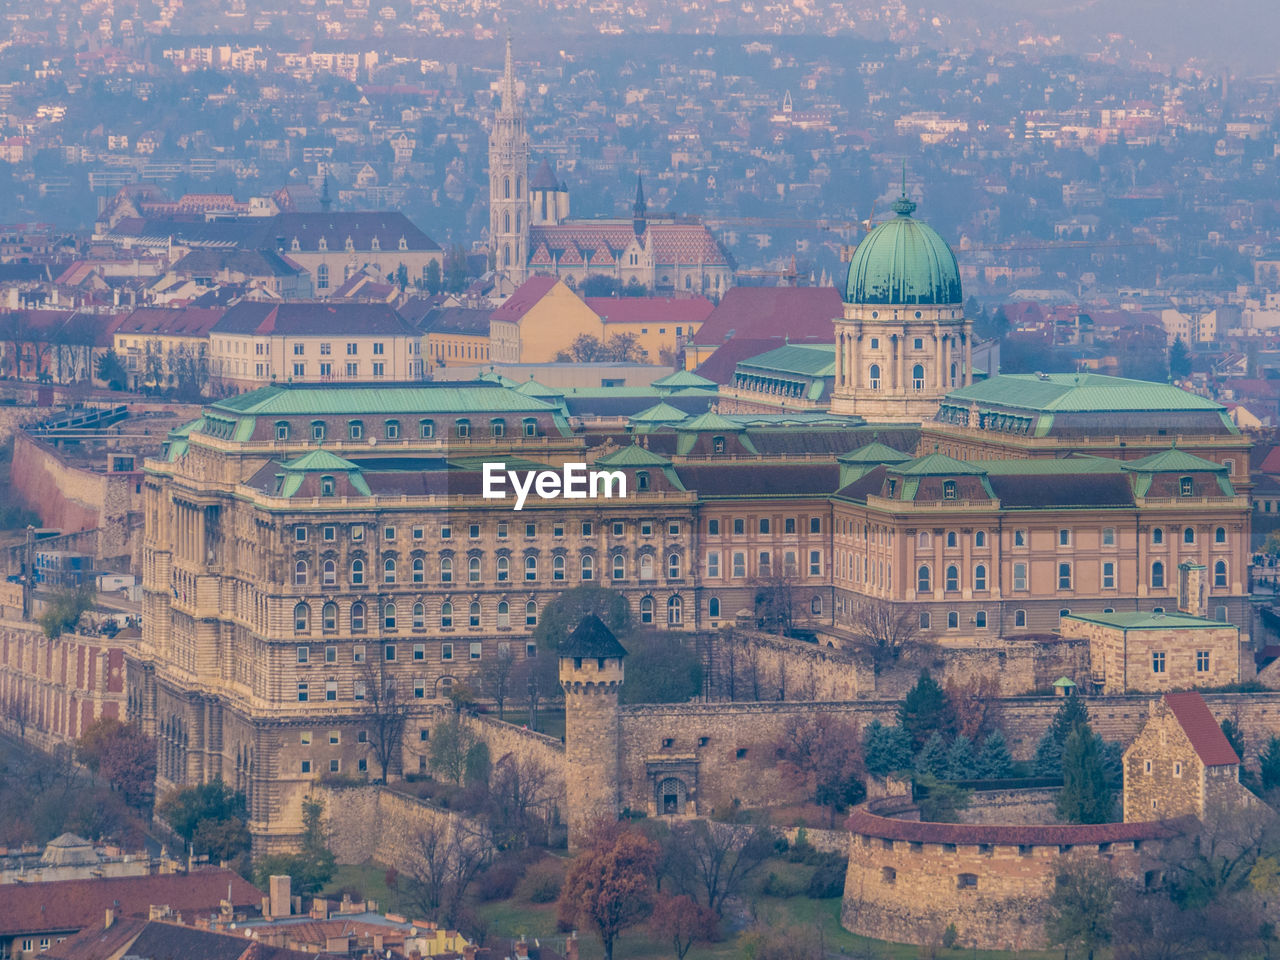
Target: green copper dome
903	262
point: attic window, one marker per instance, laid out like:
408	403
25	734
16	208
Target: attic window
295	245
355	429
948	490
282	430
326	486
893	487
322	246
642	480
717	444
1186	487
375	244
350	245
404	244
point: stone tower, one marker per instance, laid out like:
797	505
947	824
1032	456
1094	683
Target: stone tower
591	674
508	181
903	340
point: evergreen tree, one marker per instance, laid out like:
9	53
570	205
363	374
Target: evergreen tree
1071	714
1085	797
994	760
927	709
885	749
1269	761
960	760
932	758
1235	737
1179	359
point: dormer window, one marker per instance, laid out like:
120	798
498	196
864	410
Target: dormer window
642	480
326	486
350	245
375	244
893	487
355	429
404	244
717	444
1186	487
317	430
295	245
322	246
393	429
282	430
948	490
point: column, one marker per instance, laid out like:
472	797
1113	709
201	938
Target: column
968	354
853	375
900	367
937	347
946	365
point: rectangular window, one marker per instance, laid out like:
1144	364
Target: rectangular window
305	738
353	369
475	650
739	526
330	534
335	737
1157	661
331	689
378	349
352	349
1108	575
673	528
1064	538
335	765
764	524
1202	661
446	651
302	693
1064	576
419	651
306	766
300	534
815	563
389	652
299	349
419	689
299	369
586	528
1019	576
739	564
1108	536
1019	538
713	528
815	524
379	369
388	533
304	654
357	653
713	565
646	528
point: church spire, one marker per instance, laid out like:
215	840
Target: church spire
508	82
640	211
325	200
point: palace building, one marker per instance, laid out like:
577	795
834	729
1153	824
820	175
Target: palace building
530	231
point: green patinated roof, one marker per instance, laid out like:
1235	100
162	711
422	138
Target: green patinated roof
807	360
659	413
1143	620
1078	393
532	388
319	460
178	442
939	465
633	456
903	261
408	399
1065	682
493	376
1174	460
684	378
874	452
708	421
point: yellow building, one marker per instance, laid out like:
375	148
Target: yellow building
455	336
659	324
541	319
159	348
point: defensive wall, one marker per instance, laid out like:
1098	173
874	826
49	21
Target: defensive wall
909	880
51	689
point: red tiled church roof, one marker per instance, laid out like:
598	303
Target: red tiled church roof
1210	743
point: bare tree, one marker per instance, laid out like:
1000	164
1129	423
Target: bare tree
386	711
711	861
776	597
445	857
18	709
825	756
521	801
887	631
496	676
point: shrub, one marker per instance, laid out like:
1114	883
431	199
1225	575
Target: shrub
499	881
542	881
950	936
782	887
828	880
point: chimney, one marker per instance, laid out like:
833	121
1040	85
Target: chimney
109	919
1191	581
571	947
469	952
280	887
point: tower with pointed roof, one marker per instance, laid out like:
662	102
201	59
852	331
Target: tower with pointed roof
508	180
903	341
640	209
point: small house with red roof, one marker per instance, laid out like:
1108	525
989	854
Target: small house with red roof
541	319
1181	764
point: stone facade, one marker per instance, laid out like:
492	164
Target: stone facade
591	689
1151	652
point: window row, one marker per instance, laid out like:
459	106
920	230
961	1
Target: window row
393	429
390	532
391	652
1160	661
762	525
358	568
391	616
764	564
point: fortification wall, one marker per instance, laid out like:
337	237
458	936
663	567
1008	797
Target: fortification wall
1026	805
376	824
909	880
65	496
527	746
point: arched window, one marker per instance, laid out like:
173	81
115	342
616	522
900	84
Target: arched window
329	616
917	377
530	614
506	188
1157	535
419	616
588	567
873	376
300	573
1019	618
925	540
473	613
504	614
619	567
1220	535
557	568
357	615
357	572
389	615
646	567
419	570
446	570
815	606
506	222
1186	486
1220	573
519	184
922	579
473	570
504	569
675	607
446	614
329	572
531	568
980	538
506	254
951	538
1189	535
713	607
302	618
673	567
389	570
953	577
980	577
953	374
646	610
462	427
1157	575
